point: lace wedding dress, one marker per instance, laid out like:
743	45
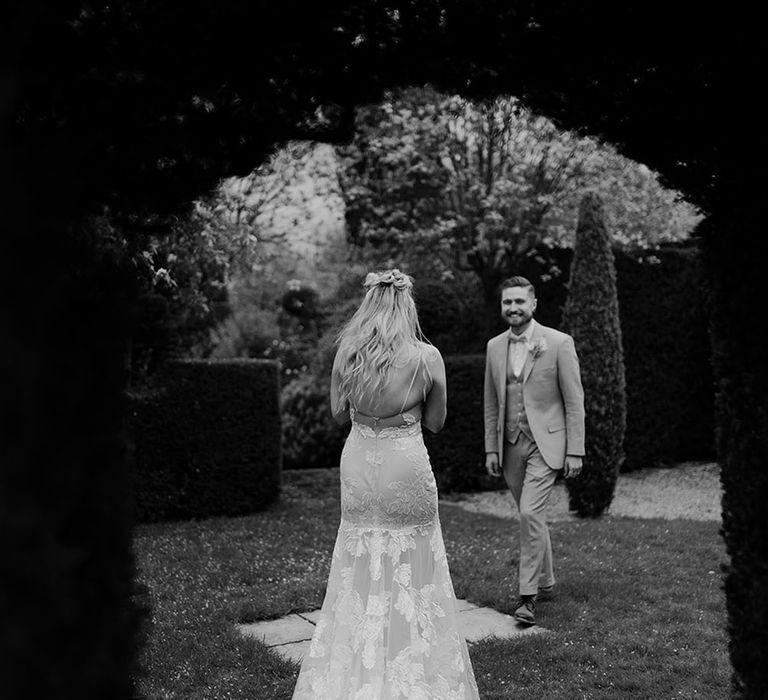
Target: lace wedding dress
388	627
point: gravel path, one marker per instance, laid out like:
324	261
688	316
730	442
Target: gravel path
688	491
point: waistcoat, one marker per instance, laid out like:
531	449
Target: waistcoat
516	420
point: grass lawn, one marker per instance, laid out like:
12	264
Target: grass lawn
639	612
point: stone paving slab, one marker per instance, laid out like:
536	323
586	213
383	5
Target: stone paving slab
291	628
295	651
479	623
291	635
313	616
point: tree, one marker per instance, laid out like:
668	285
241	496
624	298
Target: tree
438	176
591	316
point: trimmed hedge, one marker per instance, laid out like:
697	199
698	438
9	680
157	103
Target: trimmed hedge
70	625
739	358
591	317
208	442
311	437
670	387
457	452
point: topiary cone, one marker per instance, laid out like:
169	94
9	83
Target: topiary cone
591	316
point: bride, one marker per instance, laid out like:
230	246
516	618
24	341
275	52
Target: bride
389	626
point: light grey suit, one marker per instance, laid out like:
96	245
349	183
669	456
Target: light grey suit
554	405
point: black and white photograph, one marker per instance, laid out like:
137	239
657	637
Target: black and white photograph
382	350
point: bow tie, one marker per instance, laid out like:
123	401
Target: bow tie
518	338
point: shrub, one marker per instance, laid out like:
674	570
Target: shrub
69	626
739	359
666	353
311	438
591	316
457	452
208	441
448	313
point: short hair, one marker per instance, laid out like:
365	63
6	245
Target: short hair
517	281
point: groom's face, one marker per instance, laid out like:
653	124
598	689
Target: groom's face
517	306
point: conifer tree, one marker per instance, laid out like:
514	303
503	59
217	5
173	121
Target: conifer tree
591	316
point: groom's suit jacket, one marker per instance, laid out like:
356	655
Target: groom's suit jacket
552	395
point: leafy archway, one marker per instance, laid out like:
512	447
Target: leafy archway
134	109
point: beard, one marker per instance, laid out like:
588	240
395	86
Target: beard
517	318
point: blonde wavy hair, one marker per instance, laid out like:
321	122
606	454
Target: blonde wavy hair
383	327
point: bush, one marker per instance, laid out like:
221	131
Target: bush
70	629
311	438
591	316
457	453
448	313
737	285
208	441
670	393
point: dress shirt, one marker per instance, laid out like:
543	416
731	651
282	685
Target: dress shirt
518	351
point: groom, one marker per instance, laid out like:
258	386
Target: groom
534	427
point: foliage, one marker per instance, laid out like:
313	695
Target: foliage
280	301
311	438
442	177
456	452
280	331
70	621
229	236
207	440
451	312
591	317
664	329
182	277
739	352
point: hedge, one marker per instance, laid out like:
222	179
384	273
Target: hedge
207	442
739	358
670	389
311	437
69	627
457	452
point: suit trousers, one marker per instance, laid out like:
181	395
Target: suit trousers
530	480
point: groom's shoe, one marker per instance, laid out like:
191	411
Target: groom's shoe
546	593
525	610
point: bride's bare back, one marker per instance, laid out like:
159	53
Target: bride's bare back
415	385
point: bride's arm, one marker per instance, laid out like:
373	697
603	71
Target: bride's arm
434	414
340	412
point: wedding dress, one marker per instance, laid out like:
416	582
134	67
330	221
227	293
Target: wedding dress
389	626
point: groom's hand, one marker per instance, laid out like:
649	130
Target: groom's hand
572	467
492	464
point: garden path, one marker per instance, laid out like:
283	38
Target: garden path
291	635
688	491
